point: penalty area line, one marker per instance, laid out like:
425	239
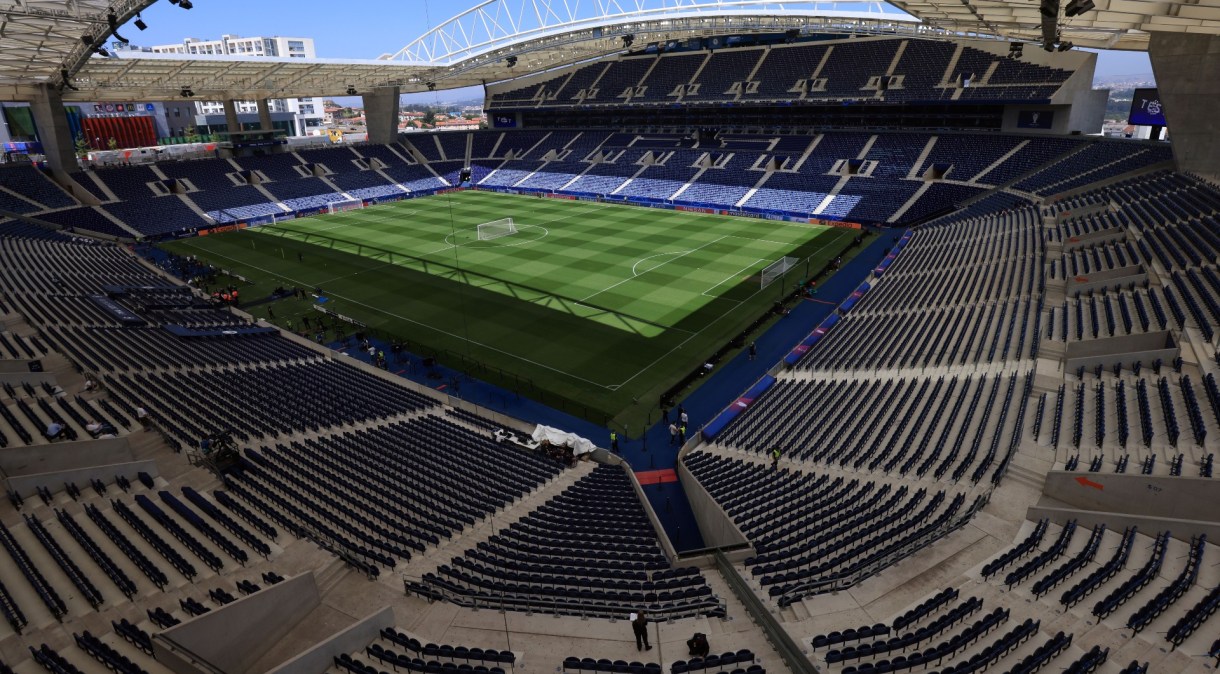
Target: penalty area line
730	277
632	278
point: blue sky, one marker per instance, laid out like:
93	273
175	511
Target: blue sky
369	28
354	29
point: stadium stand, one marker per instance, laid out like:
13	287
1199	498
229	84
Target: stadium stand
888	500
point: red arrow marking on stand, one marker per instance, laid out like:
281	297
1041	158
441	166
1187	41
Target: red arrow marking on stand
1086	482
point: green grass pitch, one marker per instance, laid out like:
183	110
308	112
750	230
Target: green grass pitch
594	307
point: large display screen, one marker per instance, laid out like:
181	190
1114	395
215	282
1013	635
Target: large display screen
1146	108
501	121
1036	119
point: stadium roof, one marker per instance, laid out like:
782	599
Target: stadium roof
1111	24
41	39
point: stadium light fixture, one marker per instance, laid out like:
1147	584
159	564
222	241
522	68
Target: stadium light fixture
628	40
65	80
431	86
184	4
1078	7
351	90
113	20
1065	46
101	52
511	61
86	39
139	22
187	92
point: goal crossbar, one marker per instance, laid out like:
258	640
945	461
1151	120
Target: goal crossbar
344	205
496	229
777	269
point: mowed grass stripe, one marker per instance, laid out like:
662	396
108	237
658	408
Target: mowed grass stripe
672	287
588	249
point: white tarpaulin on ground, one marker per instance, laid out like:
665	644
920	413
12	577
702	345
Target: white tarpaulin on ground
555	436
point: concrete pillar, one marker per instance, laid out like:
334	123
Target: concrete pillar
57	142
381	114
232	125
1187	69
264	114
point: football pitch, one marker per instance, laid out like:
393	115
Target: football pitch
596	308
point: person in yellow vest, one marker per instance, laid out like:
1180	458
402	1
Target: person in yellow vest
614	442
775	454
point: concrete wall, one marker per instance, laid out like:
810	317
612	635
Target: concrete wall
232	638
27	485
1125	349
15	379
1093	238
1101	279
1088	110
1187	69
1183	530
19	367
381	114
666	545
714	523
1187	498
57	142
64	456
318	659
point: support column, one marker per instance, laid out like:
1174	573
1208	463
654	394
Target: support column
264	114
381	114
232	125
48	110
1187	69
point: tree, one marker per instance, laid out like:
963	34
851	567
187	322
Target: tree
112	143
429	117
82	146
191	134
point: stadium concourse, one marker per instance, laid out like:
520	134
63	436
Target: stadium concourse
986	442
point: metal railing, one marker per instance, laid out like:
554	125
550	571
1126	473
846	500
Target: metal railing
788	649
556	607
875	567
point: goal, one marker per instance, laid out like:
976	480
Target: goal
496	229
345	205
777	269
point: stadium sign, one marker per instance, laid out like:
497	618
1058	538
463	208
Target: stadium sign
122	109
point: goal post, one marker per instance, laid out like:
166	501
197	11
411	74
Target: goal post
344	205
777	269
496	229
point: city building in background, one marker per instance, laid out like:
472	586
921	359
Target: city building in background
305	113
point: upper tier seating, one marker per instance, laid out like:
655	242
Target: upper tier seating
807	71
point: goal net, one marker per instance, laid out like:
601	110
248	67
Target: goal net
345	205
496	229
777	269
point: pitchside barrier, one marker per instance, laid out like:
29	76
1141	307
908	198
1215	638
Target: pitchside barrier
647	202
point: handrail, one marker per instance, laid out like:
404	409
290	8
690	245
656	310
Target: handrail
789	650
555	607
837	584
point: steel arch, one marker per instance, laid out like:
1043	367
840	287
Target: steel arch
495	24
